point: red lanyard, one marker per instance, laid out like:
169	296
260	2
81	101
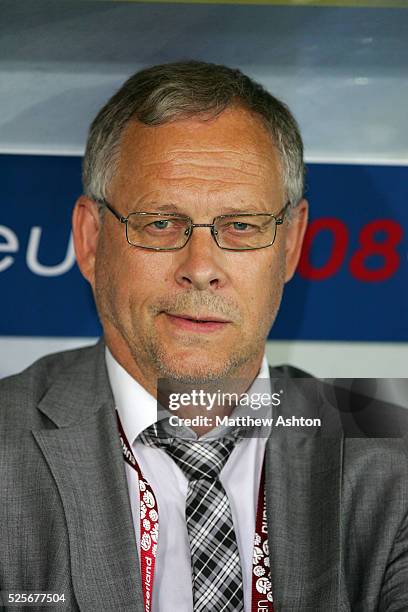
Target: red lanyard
149	535
149	522
261	571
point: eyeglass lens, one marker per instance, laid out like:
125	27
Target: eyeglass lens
230	232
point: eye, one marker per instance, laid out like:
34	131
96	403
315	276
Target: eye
161	224
239	225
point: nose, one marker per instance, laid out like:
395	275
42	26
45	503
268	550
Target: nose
200	262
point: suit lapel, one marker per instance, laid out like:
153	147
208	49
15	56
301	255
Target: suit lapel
303	472
85	459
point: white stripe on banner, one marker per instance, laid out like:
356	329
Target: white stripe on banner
323	359
343	359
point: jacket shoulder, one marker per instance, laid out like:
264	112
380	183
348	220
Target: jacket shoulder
21	393
288	371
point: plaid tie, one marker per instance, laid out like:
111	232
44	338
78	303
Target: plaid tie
216	568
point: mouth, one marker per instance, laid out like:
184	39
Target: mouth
206	323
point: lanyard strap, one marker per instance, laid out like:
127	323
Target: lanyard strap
149	535
149	522
261	571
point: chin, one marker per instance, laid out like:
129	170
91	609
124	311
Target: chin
192	371
197	366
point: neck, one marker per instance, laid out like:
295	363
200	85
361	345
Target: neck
209	399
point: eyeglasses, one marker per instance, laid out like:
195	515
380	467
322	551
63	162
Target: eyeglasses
169	231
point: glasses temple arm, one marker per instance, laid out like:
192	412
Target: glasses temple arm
280	216
106	204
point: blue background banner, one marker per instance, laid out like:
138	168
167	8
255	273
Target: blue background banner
351	283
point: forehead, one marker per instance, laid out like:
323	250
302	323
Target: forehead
230	151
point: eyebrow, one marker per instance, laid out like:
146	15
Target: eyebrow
165	207
169	207
231	210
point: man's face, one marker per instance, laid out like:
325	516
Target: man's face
199	313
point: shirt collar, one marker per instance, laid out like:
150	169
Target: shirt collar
136	407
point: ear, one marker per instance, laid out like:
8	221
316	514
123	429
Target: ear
85	227
295	233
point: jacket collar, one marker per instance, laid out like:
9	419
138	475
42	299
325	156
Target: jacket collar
80	388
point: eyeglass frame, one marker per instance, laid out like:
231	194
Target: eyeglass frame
279	219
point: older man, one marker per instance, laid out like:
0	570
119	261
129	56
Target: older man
191	222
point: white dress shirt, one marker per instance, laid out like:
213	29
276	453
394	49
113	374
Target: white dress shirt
240	477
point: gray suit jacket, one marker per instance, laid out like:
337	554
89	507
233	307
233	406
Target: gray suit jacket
337	508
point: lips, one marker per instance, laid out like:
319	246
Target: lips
206	323
200	319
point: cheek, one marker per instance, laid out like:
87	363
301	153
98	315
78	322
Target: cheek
261	280
113	275
260	292
140	279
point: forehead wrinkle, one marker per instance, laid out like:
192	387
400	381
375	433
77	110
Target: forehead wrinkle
202	172
175	152
255	164
193	181
242	161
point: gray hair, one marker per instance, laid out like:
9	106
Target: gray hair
165	93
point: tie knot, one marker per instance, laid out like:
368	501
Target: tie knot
198	459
